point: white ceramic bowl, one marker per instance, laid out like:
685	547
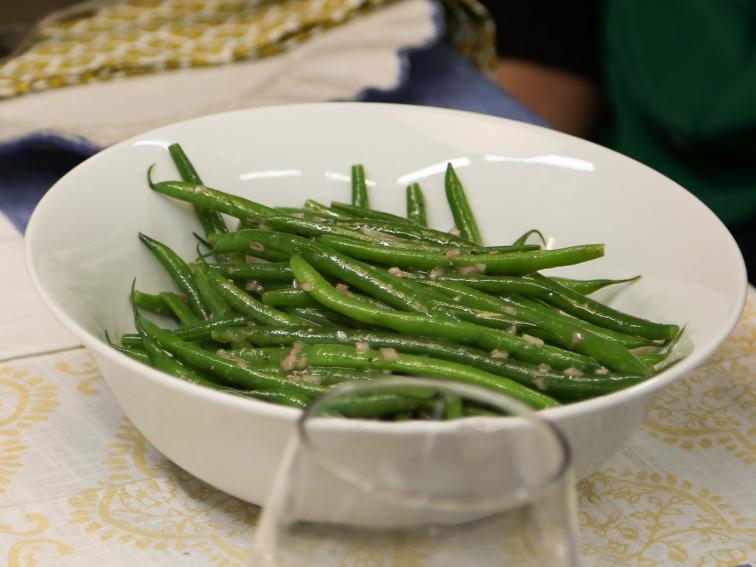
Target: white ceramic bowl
83	251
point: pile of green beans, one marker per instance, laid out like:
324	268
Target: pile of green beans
296	300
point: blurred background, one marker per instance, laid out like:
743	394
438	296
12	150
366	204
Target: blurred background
671	84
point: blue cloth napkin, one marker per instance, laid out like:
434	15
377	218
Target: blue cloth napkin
432	76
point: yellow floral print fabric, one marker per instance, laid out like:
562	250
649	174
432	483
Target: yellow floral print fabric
79	485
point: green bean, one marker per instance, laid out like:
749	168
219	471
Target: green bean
385	288
558	385
297	298
288	298
253	249
528	308
371	405
524	238
210	219
375	405
330	318
466	333
369	279
137	354
240	376
198	194
316	317
375	228
177	304
164	362
160	359
354	212
506	263
262	271
416	205
245	304
243	240
464	218
131	340
570	302
179	271
560	331
475	411
330	376
211	299
388	241
201	330
335	355
152	303
586	287
270	359
453	406
359	187
533	313
262	287
323	210
307	214
304	227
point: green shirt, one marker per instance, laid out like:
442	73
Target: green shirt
681	80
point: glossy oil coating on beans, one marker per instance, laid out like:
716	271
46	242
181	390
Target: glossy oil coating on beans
587	287
213	199
359	187
458	331
179	271
247	305
372	281
263	272
151	302
302	298
416	211
239	376
210	219
460	208
177	304
551	382
535	314
211	299
404	230
349	356
568	301
504	263
353	212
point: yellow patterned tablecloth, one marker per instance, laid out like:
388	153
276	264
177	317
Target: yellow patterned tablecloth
80	486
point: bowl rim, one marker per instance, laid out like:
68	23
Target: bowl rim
589	406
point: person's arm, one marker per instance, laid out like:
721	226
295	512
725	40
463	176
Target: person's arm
549	58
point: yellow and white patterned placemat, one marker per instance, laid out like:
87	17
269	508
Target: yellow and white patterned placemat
80	486
131	37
